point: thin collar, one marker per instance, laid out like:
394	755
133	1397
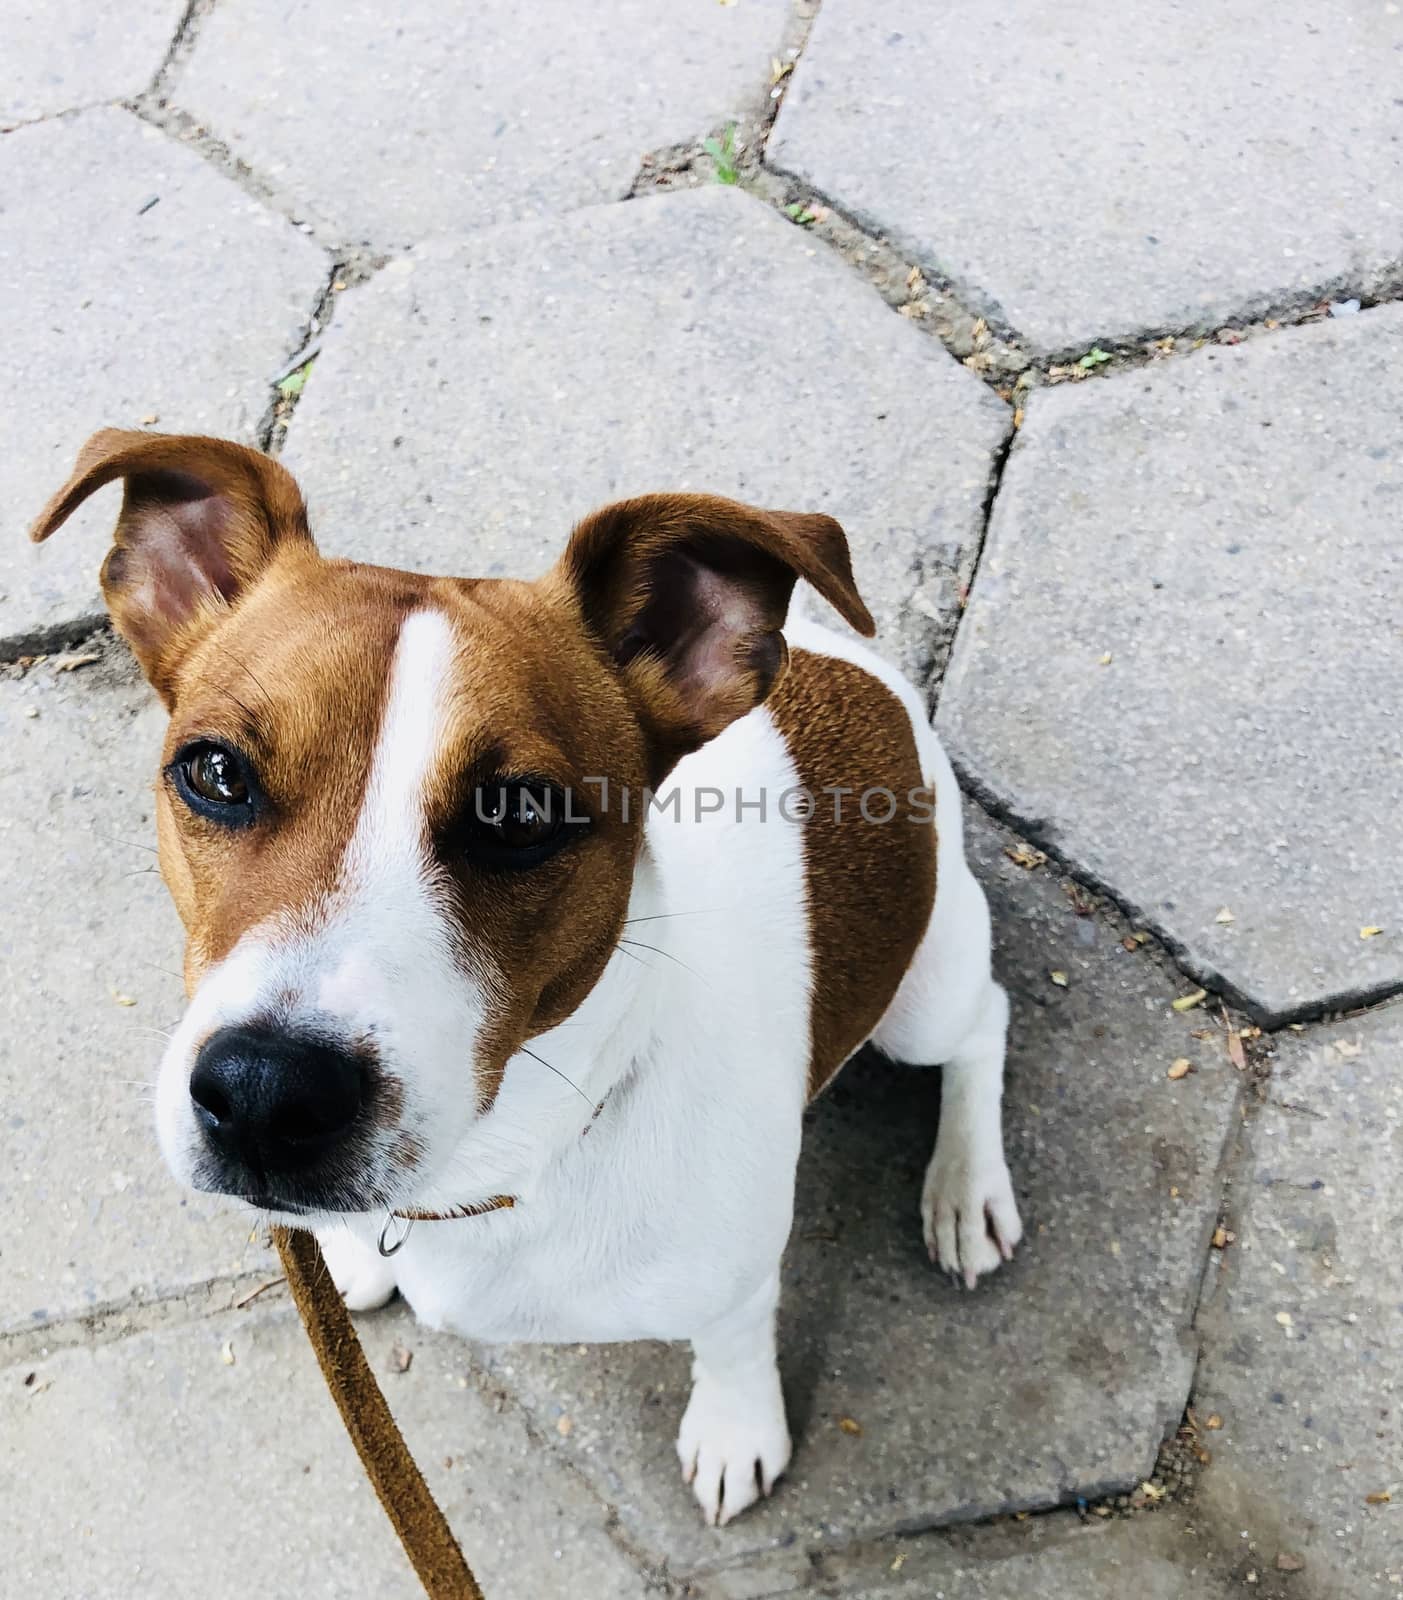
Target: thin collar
389	1246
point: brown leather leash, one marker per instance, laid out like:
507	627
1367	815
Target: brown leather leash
389	1464
422	1528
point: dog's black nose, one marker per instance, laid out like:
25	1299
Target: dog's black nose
275	1102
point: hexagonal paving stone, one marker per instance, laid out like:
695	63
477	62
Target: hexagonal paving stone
1166	1555
61	54
136	284
469	115
1086	169
209	1460
474	401
1302	1358
1056	1378
1225	528
89	957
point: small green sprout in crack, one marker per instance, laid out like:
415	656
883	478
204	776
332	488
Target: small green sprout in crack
1095	357
799	213
293	384
723	152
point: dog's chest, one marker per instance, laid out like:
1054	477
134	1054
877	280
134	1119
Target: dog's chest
625	1243
671	1204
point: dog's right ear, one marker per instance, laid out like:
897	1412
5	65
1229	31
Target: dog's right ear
200	520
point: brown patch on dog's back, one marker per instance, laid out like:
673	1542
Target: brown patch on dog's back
870	885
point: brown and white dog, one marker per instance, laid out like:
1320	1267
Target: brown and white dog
444	954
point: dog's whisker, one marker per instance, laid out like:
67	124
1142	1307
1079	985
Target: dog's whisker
666	954
619	950
244	667
559	1074
155	967
131	844
663	916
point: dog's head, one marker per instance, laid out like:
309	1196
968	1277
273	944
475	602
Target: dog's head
382	811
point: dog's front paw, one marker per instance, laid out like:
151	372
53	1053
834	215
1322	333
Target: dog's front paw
969	1215
733	1444
364	1277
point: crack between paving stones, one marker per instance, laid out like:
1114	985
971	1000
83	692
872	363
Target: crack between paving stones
65	114
1040	832
52	636
187	130
1382	286
492	1389
115	1321
969	569
348	270
1127	350
755	123
179	51
153	107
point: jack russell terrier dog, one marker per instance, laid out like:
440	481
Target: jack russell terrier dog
458	962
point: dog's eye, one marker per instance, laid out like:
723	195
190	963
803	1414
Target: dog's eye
518	822
214	781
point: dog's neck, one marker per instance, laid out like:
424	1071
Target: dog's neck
562	1080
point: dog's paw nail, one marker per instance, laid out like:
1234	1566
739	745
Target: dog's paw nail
738	1443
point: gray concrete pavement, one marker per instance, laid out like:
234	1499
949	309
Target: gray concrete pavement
1302	1357
138	287
470	116
1092	171
207	1459
1171	624
89	979
1189	598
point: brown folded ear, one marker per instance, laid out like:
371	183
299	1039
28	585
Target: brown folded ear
689	592
200	520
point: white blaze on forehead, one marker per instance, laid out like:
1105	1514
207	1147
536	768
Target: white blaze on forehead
382	913
390	826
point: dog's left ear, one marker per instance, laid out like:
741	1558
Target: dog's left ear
688	593
201	520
